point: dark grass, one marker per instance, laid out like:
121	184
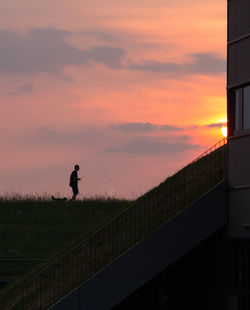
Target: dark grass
37	228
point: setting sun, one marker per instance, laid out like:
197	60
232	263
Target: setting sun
224	131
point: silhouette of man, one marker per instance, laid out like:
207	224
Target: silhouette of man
74	182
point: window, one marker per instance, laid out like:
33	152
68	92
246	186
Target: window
246	107
242	108
238	108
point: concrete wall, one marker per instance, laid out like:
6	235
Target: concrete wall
238	42
238	15
151	256
239	68
239	185
239	143
199	277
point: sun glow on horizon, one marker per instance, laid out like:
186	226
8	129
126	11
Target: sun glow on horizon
222	120
224	131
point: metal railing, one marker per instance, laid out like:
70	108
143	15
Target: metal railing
144	216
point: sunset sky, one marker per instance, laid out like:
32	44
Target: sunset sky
130	90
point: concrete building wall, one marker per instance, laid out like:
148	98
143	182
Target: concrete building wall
239	68
238	15
196	281
239	161
238	81
238	42
239	186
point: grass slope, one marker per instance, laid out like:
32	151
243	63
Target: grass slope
39	228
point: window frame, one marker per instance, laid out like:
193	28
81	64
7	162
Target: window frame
244	103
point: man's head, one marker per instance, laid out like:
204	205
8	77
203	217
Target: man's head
77	167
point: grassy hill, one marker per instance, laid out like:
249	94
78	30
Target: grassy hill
36	228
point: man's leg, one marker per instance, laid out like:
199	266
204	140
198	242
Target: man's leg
75	193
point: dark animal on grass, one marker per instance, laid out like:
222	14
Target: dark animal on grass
58	199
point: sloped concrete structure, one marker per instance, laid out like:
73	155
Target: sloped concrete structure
151	257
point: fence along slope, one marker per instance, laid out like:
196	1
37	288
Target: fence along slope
146	214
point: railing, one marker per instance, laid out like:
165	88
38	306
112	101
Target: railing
147	214
211	149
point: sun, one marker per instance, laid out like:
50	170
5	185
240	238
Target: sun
224	131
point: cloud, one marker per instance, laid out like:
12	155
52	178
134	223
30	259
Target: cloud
109	56
104	139
45	134
45	50
153	146
105	36
69	79
22	89
202	63
216	125
135	127
208	63
77	137
170	128
144	127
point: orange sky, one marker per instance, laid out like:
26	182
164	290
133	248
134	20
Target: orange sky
131	90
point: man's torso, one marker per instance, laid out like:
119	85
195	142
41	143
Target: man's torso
73	179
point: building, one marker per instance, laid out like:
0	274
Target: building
238	93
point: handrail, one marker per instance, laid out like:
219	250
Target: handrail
96	251
211	149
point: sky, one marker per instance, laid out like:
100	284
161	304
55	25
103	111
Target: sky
132	91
